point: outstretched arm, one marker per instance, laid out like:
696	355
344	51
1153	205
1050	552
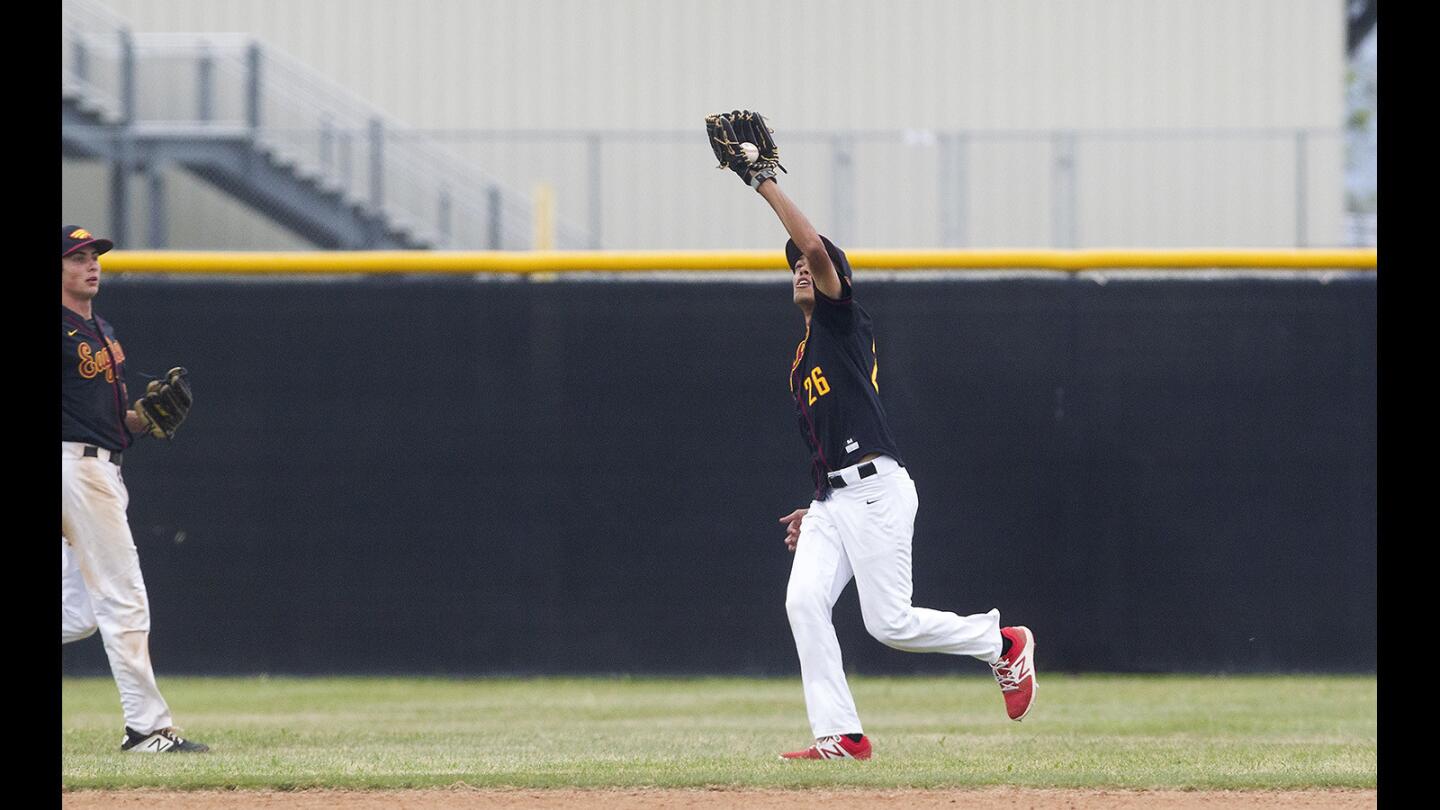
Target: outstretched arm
806	238
741	142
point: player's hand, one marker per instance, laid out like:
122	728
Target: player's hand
792	527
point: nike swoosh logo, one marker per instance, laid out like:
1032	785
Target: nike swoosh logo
72	332
867	503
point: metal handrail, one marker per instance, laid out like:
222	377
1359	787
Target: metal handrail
320	128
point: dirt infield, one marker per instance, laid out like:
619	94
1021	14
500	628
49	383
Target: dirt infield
989	799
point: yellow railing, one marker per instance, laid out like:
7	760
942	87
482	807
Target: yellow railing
615	261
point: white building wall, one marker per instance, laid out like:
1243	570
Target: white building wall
1129	77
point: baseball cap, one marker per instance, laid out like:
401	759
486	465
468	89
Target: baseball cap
837	256
74	237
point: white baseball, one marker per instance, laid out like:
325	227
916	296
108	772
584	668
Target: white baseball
751	151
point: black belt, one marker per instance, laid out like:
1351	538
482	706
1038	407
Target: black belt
91	451
866	470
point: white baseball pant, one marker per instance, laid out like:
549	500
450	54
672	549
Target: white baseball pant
100	582
864	530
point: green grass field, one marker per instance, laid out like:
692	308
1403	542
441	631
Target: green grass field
1085	731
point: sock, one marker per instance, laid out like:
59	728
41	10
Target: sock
855	738
1005	645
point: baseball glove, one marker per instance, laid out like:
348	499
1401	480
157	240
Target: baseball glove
165	404
729	130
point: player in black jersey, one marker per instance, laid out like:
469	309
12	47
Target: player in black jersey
100	582
862	517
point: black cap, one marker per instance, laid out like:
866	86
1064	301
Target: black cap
837	257
74	237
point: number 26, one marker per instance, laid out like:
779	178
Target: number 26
816	385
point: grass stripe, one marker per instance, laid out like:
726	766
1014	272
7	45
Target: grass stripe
1090	731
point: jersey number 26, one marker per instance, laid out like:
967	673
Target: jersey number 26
816	385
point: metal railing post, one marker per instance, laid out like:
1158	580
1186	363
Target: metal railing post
252	88
205	77
81	65
159	216
120	168
120	197
327	145
1301	204
127	77
495	214
444	216
953	154
842	195
377	164
347	163
595	149
1063	191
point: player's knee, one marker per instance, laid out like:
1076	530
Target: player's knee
805	604
76	630
128	615
892	629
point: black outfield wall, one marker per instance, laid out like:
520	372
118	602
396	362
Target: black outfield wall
444	475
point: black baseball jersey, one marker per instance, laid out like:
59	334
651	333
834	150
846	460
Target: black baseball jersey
93	399
835	382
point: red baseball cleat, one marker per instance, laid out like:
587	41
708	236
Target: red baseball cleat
836	747
1016	672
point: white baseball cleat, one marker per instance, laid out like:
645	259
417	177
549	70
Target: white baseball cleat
161	741
836	747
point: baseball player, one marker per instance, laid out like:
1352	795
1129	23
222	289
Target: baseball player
100	582
863	514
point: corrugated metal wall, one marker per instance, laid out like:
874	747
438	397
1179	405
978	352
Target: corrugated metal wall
1144	83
